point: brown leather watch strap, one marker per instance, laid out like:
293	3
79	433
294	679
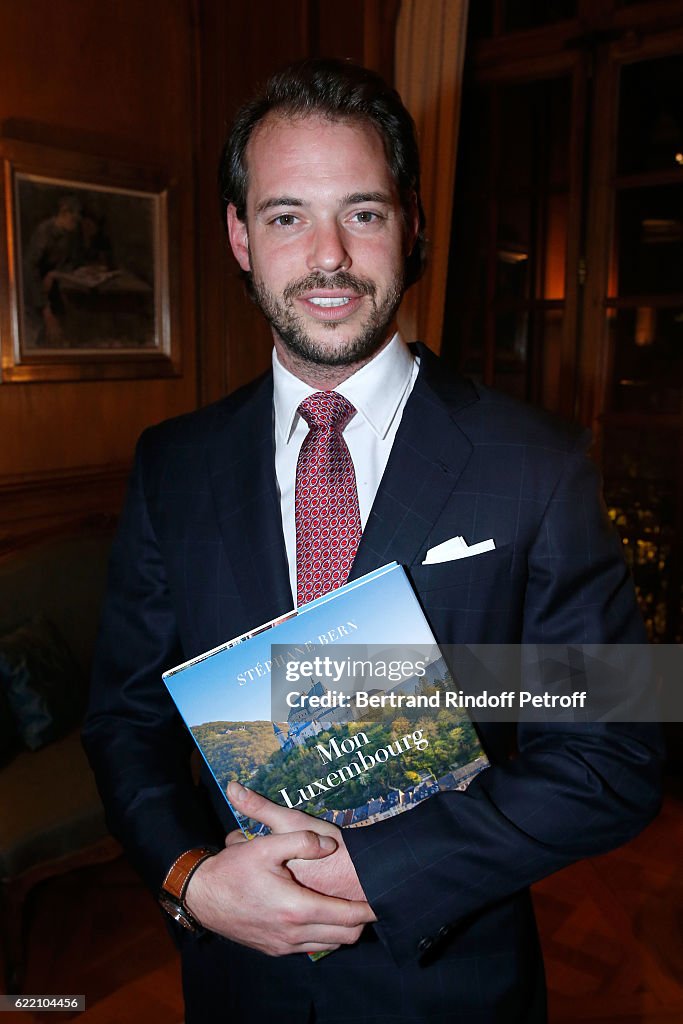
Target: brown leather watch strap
183	868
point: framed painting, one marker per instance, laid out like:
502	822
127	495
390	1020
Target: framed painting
85	268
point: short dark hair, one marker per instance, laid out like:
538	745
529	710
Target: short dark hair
341	91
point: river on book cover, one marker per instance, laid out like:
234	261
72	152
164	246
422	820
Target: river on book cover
352	772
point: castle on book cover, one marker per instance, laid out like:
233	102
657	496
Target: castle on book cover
343	746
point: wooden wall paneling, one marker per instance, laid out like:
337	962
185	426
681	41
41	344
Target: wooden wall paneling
365	34
65	425
213	262
40	506
112	79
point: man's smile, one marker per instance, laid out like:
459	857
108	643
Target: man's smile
330	306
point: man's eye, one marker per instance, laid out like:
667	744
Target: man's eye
285	220
365	216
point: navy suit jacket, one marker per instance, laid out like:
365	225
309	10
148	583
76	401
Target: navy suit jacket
200	558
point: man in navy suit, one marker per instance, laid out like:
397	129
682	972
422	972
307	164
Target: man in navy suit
429	912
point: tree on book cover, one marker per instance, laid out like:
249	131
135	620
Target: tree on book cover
351	765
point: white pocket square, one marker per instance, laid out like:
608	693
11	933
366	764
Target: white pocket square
456	547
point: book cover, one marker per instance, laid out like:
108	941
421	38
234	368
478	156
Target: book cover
339	709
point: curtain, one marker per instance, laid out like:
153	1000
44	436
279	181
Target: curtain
430	50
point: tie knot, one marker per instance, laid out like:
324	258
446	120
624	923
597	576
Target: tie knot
327	410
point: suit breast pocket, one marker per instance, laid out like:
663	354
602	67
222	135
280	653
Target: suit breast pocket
462	572
471	600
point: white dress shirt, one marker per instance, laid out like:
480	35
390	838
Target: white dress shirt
379	392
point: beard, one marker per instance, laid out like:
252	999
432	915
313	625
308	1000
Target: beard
291	328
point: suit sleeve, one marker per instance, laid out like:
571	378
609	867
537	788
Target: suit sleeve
137	746
572	790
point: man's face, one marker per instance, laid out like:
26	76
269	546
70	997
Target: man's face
68	219
324	238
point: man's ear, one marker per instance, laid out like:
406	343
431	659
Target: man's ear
239	238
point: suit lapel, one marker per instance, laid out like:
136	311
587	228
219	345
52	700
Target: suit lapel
428	455
242	470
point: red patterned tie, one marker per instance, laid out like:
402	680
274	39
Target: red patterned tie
326	502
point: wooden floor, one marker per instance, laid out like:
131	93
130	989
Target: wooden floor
97	932
612	930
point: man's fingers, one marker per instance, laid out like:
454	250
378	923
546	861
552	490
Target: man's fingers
326	935
309	947
329	911
302	845
278	819
310	845
235	837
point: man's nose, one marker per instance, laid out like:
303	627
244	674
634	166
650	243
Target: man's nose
328	250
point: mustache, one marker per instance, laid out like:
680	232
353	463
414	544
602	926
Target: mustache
340	279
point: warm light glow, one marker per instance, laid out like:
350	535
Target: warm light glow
510	255
646	326
556	247
679	158
613	276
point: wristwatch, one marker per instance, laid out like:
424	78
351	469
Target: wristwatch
174	886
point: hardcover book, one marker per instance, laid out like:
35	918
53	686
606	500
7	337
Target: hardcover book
340	709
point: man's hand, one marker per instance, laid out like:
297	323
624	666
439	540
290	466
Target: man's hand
334	875
247	894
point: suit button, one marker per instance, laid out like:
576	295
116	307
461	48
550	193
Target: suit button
444	932
425	944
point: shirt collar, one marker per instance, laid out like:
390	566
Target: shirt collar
375	390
